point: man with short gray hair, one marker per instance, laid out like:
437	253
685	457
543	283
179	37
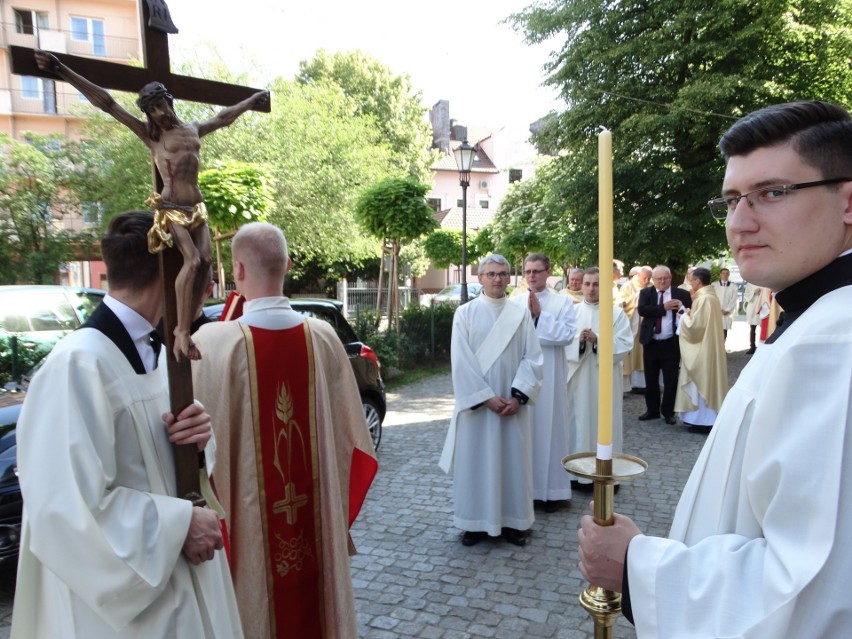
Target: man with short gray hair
497	369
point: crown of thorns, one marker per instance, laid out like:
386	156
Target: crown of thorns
151	94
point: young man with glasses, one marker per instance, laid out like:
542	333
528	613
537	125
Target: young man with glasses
758	543
555	328
497	369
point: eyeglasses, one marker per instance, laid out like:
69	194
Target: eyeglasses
760	199
491	275
535	271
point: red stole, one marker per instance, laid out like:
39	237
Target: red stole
285	434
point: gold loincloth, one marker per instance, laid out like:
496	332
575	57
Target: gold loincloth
159	237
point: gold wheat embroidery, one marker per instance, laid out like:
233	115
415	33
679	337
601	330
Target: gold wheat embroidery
286	429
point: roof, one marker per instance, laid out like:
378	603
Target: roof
477	218
481	163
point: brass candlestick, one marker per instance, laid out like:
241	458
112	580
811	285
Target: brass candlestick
603	605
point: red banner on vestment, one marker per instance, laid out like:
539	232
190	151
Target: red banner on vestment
282	377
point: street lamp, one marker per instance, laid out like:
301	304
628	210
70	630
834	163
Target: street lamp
464	155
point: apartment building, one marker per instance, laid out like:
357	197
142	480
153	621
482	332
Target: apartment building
107	29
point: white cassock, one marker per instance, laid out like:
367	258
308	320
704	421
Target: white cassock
555	329
728	300
494	349
103	532
583	379
759	542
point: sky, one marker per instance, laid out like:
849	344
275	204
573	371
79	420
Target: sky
455	50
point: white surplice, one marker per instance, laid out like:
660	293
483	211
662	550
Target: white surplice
555	329
728	299
102	534
494	349
583	379
758	544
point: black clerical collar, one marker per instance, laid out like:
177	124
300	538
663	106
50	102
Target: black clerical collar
796	299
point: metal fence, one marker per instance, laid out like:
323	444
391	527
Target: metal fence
356	299
359	299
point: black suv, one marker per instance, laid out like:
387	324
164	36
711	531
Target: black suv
364	362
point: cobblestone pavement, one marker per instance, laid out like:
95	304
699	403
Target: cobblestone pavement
412	577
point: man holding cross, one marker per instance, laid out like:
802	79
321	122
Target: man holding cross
180	216
107	547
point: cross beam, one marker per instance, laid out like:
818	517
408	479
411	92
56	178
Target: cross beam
121	77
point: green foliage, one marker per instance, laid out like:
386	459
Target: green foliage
235	193
414	256
395	209
387	100
34	193
443	247
668	78
425	334
18	357
418	327
531	219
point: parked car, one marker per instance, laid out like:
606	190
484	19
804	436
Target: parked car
11	504
363	359
34	318
452	294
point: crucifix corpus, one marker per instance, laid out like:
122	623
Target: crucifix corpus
180	233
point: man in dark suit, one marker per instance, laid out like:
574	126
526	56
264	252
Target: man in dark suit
658	306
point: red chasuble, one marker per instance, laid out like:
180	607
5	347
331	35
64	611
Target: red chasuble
285	433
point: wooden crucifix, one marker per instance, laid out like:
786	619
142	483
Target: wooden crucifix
180	233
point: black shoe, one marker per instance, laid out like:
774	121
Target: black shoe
552	506
644	417
671	420
751	350
471	538
637	391
582	486
514	536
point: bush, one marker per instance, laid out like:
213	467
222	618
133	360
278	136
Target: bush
425	334
18	356
416	345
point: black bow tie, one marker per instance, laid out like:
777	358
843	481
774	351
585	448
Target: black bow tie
156	343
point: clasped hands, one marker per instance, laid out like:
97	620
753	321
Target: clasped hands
503	407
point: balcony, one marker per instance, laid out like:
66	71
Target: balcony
114	48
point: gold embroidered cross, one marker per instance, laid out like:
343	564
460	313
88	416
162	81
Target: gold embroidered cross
290	504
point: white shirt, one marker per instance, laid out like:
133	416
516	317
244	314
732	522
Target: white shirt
137	327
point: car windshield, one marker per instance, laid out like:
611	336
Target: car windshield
25	311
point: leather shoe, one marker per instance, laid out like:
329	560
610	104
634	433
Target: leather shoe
644	417
514	536
471	538
671	419
552	506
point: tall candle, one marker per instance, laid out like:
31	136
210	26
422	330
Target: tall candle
605	335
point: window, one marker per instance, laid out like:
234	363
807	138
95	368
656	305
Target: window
515	175
459	203
28	22
483	204
30	87
435	203
89	30
92	213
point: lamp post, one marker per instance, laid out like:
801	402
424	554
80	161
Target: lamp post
464	155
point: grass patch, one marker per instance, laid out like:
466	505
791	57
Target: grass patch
416	375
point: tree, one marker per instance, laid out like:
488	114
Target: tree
395	211
32	196
234	193
387	99
668	78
